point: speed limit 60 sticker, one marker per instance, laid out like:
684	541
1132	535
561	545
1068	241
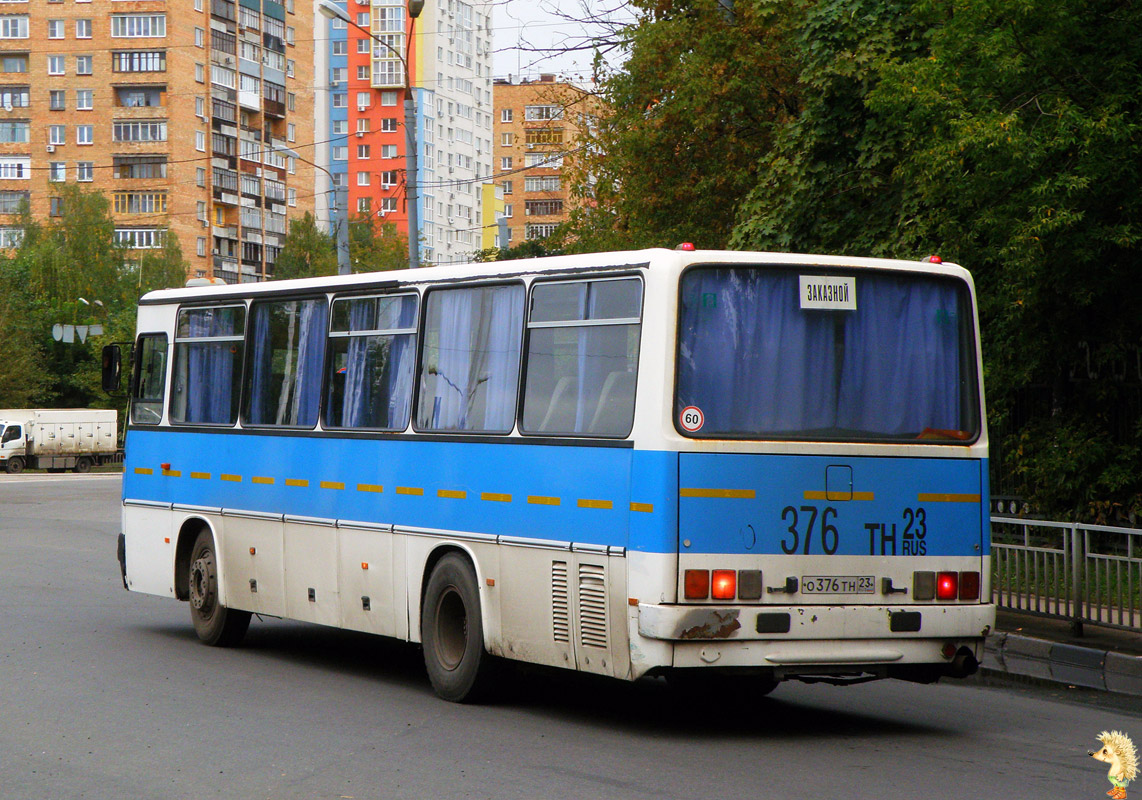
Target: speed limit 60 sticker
692	419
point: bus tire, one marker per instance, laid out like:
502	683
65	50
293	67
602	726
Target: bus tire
452	632
215	624
15	465
82	464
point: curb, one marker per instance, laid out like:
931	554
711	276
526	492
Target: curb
1091	668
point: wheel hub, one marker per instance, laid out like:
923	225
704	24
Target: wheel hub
202	584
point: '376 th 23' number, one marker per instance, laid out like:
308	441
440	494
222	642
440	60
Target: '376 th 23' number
830	537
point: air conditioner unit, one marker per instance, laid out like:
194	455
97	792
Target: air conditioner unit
51	148
206	223
362	107
360	134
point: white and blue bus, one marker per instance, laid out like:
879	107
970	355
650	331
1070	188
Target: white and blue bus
730	466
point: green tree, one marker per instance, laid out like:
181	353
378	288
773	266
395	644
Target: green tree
1023	149
689	117
376	246
307	253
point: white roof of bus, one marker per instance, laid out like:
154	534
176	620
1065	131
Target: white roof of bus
492	269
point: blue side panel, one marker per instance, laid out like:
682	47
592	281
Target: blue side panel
572	494
766	504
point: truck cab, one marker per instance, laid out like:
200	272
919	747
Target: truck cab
13	446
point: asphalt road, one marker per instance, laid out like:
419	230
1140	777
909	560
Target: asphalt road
107	694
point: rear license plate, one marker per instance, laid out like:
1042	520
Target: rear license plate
837	584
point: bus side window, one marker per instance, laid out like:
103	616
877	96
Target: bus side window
469	367
149	380
207	365
287	349
582	357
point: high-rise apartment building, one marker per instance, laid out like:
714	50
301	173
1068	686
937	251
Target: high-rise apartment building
448	49
188	114
538	132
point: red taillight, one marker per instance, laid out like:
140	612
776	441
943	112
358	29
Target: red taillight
947	585
697	584
724	585
969	585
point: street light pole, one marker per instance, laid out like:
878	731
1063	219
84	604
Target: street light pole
331	10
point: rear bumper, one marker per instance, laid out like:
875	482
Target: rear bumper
801	639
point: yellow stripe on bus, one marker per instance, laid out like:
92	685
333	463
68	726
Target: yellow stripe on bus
264	481
331	485
299	482
724	494
541	500
604	504
202	476
234	478
816	495
934	497
415	491
496	497
144	471
452	494
370	487
172	473
645	508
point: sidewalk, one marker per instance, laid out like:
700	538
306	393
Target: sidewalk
1046	649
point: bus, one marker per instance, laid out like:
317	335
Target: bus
735	468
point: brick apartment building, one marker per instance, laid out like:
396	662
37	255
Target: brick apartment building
538	131
187	114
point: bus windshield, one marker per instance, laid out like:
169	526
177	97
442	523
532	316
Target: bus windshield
787	353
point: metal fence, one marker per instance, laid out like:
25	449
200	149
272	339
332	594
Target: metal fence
1088	574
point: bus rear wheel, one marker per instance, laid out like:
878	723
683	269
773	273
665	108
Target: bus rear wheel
215	624
452	632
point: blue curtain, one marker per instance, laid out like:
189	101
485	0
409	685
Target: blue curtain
755	363
378	368
296	330
210	367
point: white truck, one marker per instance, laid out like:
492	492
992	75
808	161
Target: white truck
58	438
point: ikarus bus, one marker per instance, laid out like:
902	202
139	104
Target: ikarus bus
720	466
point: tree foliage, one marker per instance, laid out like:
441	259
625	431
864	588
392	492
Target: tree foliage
69	271
308	251
1001	135
376	246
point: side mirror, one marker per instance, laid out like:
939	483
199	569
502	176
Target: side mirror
112	368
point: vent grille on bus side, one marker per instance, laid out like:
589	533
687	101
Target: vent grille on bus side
560	617
592	606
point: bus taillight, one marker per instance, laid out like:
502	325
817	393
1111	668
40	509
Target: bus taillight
947	586
969	585
725	584
697	584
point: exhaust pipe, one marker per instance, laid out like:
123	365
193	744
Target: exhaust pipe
964	664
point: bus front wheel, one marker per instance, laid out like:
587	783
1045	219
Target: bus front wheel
15	465
452	633
215	624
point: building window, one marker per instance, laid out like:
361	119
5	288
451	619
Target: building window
201	246
542	208
200	107
200	73
199	37
84	99
11	237
540	231
140	131
388	205
55	206
506	115
549	183
83	65
506	139
389	125
140	202
506	162
362	151
388	151
545	136
545	112
13	64
362	72
55	28
200	176
340	153
388	98
292	197
291	132
125	167
83	29
200	141
340	47
507	187
57	99
364	205
340	127
362	178
363	45
84	134
340	100
364	99
338	75
15	168
138	26
13	27
139	238
139	61
57	171
388	178
57	134
84	170
56	65
362	125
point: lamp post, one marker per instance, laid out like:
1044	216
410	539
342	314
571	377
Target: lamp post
340	201
331	10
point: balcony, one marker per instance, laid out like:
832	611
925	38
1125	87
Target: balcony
223	9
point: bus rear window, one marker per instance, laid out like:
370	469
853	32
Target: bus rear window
785	354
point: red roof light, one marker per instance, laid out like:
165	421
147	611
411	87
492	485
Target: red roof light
687	246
